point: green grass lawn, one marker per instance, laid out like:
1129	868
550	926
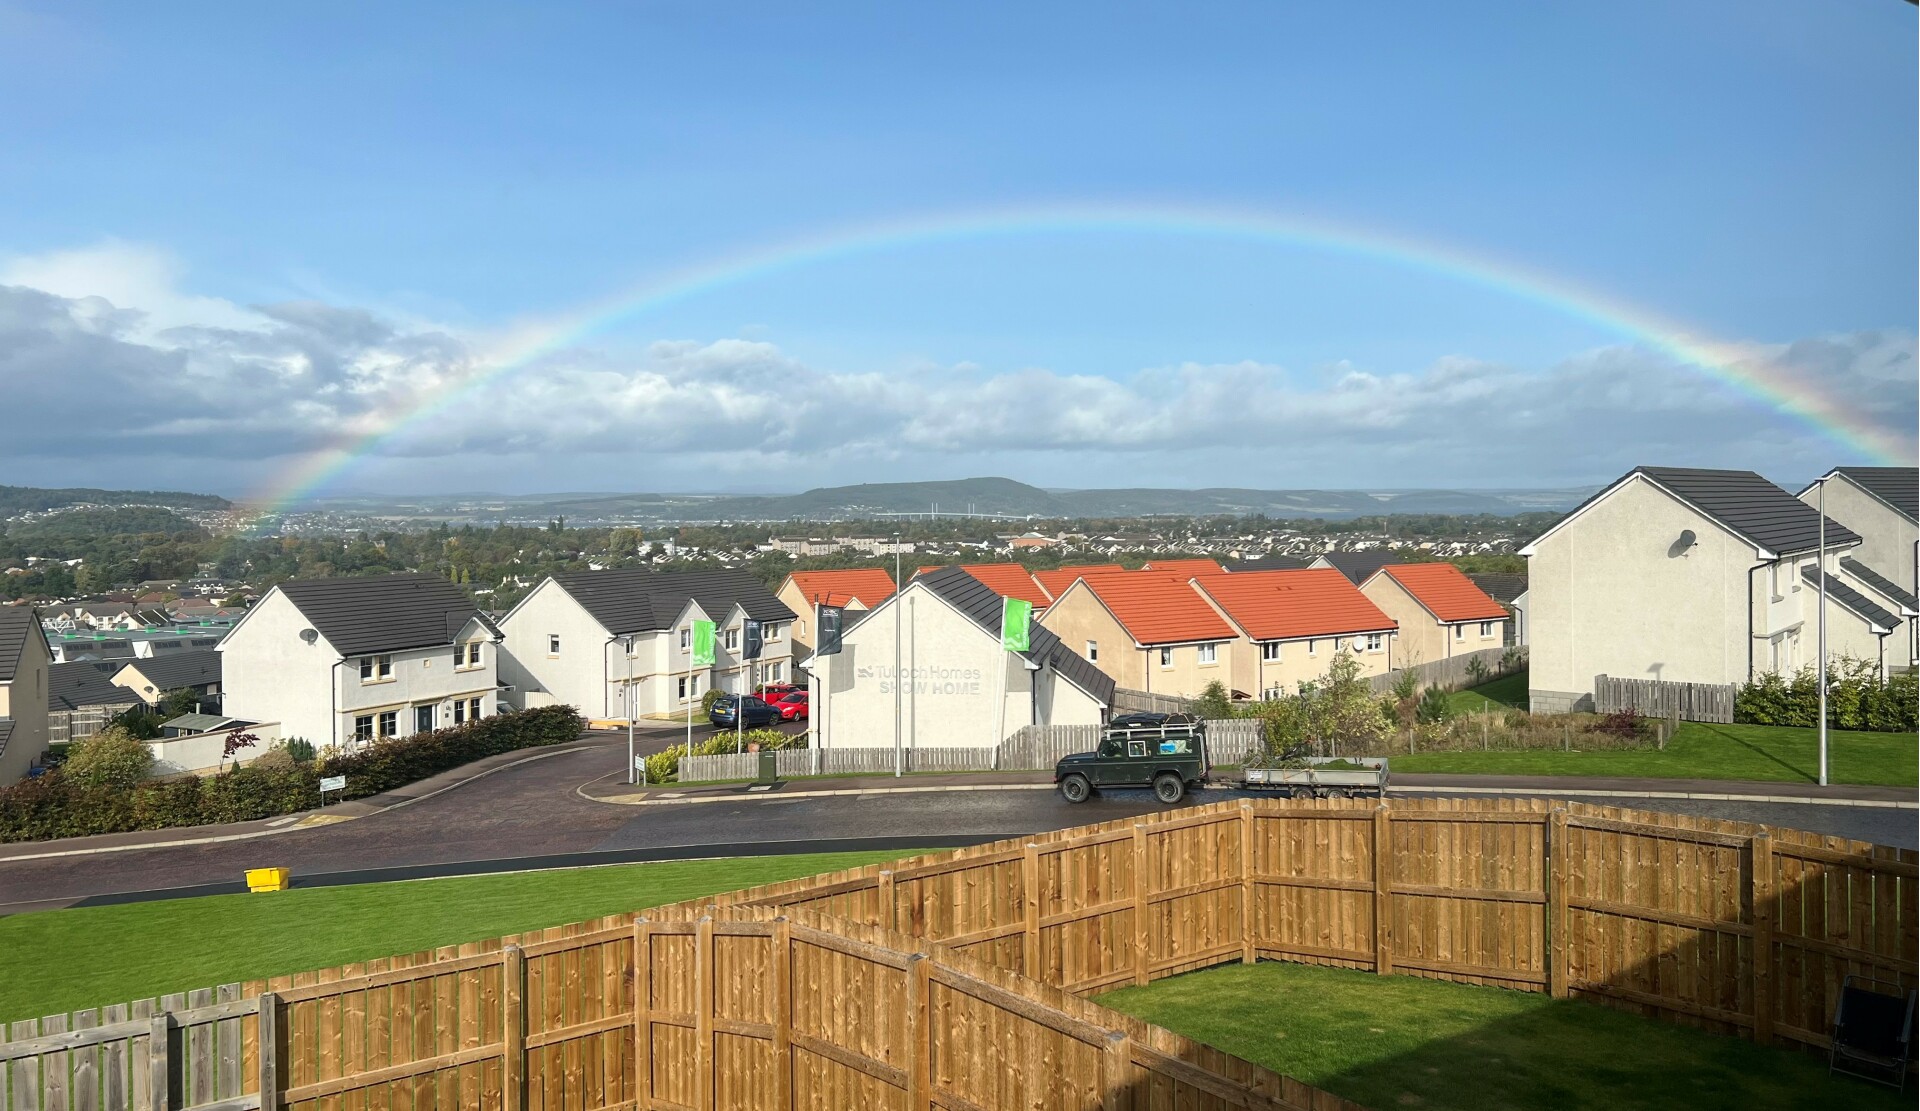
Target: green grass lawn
1394	1041
55	961
1505	693
1701	751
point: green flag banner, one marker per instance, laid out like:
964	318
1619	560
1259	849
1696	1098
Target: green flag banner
1014	619
702	643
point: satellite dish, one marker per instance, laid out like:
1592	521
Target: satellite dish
311	635
1683	545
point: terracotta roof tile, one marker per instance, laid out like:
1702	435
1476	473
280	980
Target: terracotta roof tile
870	586
1283	605
1158	608
1446	590
1056	581
1186	566
1009	580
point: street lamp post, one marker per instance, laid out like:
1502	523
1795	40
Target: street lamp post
1821	562
899	759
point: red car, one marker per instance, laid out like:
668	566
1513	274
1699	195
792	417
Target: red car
774	692
792	706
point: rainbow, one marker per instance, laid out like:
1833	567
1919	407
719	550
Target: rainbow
1743	367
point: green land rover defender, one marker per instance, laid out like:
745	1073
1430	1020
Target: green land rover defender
1167	752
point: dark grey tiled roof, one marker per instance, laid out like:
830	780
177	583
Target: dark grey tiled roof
985	607
1265	563
182	669
6	734
382	613
1358	566
639	601
1899	487
1886	586
1502	588
17	623
86	683
1846	595
1751	507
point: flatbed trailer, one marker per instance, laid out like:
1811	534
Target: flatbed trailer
1325	777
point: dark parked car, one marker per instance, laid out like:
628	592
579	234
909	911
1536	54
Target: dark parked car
757	712
1169	757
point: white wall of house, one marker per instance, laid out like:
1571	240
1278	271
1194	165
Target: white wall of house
422	679
951	691
1887	538
203	752
24	700
577	674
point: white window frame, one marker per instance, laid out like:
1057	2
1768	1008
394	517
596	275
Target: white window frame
1270	651
459	712
388	724
1375	641
363	732
686	638
474	709
376	669
1486	629
1166	659
1093	651
1460	632
553	644
1313	647
1205	654
733	640
769	631
683	688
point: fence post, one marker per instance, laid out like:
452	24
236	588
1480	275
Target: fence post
513	1050
1558	856
160	1062
268	1041
1760	871
919	1032
703	1013
1030	886
1249	951
782	969
1141	969
1116	1073
1383	890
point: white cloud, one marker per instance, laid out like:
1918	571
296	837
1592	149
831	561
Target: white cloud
110	359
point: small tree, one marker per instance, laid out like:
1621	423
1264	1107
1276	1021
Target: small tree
174	703
113	757
1214	703
235	742
1434	707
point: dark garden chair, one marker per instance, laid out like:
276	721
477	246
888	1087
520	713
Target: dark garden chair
1873	1031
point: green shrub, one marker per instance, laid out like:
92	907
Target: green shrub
300	749
1434	707
1214	703
113	757
394	762
707	700
1856	698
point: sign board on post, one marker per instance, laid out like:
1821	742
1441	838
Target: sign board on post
333	783
830	621
751	641
702	643
1015	618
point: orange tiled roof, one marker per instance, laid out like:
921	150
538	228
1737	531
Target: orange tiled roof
1009	580
869	586
1186	566
1158	608
1056	581
1446	590
1283	605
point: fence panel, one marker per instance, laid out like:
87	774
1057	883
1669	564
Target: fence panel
1456	672
1688	701
1137	702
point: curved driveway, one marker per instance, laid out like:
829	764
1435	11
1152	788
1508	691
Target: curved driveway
532	810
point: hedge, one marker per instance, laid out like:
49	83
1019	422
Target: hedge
54	805
1856	699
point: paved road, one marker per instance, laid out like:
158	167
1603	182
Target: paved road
533	811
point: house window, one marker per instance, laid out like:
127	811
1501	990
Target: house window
467	655
1374	642
799	628
733	639
1313	648
473	709
389	723
363	727
1166	657
770	631
683	688
459	712
1209	653
1459	632
1486	629
374	669
775	672
1093	651
553	644
1270	651
686	638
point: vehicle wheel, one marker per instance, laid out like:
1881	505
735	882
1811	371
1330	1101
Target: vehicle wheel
1338	793
1300	792
1075	788
1169	788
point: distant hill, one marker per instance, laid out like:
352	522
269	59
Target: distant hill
78	524
15	500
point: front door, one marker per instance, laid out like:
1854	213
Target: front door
423	719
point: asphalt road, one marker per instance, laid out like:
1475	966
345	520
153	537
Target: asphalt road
533	811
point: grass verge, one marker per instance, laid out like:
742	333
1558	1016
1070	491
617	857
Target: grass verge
1398	1041
1780	754
56	961
1509	692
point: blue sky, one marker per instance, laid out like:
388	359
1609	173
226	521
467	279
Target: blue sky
321	213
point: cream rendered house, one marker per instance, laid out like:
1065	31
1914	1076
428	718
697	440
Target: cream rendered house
1149	631
24	658
1882	504
1293	624
954	685
344	661
619	643
1680	575
1440	612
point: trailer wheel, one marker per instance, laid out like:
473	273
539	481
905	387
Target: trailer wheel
1301	792
1075	788
1338	793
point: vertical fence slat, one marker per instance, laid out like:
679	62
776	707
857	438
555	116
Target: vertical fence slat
268	1041
1559	858
513	1052
1141	959
1383	890
159	1062
1760	904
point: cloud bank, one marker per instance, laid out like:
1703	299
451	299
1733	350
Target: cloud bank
104	359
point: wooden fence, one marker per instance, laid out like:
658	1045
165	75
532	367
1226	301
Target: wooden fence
1456	672
945	980
1132	702
1655	698
67	726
